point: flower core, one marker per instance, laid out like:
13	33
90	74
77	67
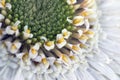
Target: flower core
43	17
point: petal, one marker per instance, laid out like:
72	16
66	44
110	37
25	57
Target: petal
33	53
49	45
1	17
26	27
66	34
61	44
80	32
17	23
71	1
87	25
8	5
37	46
60	41
78	20
17	33
9	31
18	44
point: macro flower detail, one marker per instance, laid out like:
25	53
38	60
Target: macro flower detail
61	42
51	40
2	3
13	47
27	33
13	29
71	1
49	45
33	52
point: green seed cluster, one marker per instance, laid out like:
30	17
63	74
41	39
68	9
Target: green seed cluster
44	17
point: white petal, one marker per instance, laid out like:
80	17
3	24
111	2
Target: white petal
9	31
17	33
67	33
17	23
1	17
69	20
20	55
8	5
83	41
26	27
49	45
37	46
19	75
87	25
31	35
13	51
18	44
71	2
33	55
105	70
62	44
80	32
26	35
44	38
81	20
38	59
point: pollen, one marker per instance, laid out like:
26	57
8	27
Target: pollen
76	21
25	56
14	28
86	13
49	43
44	61
74	47
83	37
13	47
72	1
28	31
33	51
60	40
72	57
65	33
89	32
64	58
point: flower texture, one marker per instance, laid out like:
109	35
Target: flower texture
53	40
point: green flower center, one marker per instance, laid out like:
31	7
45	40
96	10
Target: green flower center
43	17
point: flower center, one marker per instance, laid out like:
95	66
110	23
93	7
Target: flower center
44	17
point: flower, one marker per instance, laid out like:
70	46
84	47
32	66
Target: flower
27	33
66	34
34	50
13	29
60	41
56	40
77	20
13	47
49	45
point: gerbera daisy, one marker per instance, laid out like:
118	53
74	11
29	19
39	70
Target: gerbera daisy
54	40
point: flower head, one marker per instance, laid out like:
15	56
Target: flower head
47	36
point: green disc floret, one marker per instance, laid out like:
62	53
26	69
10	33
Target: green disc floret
43	17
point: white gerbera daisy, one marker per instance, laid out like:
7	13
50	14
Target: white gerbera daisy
59	40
